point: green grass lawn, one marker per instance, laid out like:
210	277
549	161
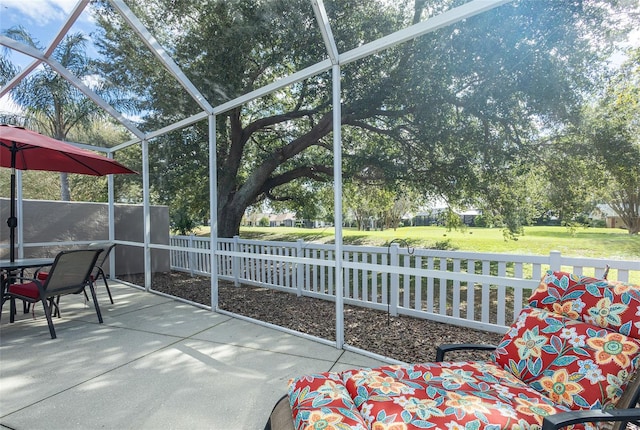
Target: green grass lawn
581	242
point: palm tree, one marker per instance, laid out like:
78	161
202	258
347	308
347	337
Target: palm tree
48	99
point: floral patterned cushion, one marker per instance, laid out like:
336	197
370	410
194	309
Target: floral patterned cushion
464	395
321	401
571	362
607	304
475	395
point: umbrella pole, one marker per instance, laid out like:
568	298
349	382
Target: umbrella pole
12	222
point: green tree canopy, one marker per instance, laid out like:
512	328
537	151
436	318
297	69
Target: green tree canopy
453	113
613	129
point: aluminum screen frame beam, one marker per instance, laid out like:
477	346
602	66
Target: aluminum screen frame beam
160	53
325	29
213	212
467	10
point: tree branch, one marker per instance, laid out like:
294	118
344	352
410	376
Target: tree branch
276	119
316	172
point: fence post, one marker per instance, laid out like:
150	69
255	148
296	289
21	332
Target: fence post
191	256
172	256
555	260
299	267
394	288
235	262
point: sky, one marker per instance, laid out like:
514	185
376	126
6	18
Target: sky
43	19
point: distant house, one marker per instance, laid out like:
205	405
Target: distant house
282	220
252	219
437	216
310	223
431	216
275	220
608	215
468	217
287	219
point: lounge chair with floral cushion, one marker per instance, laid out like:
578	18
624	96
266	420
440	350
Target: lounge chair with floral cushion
569	359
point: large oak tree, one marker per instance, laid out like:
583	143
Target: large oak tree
453	113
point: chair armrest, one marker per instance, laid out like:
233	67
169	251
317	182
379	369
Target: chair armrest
564	419
442	349
23	278
35	273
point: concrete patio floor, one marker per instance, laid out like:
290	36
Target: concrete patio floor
155	363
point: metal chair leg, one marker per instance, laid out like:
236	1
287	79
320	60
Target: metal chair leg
106	284
12	310
95	302
47	313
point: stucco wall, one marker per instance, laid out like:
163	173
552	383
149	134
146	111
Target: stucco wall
56	221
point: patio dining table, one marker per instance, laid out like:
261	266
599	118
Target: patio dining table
8	268
24	263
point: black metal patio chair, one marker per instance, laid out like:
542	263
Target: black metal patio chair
97	273
69	274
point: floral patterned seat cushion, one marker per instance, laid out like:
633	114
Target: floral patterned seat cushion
573	363
607	304
461	395
464	395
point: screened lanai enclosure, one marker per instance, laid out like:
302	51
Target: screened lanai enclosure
323	108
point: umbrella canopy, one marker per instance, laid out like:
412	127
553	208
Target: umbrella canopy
34	151
27	150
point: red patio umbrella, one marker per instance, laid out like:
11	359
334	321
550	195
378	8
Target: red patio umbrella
27	150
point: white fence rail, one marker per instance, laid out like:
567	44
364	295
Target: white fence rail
478	290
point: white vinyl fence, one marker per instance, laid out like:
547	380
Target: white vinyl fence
478	290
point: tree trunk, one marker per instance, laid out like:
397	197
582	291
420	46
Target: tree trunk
228	225
65	193
230	218
234	200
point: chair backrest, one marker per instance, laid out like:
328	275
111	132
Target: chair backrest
106	250
578	342
70	272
